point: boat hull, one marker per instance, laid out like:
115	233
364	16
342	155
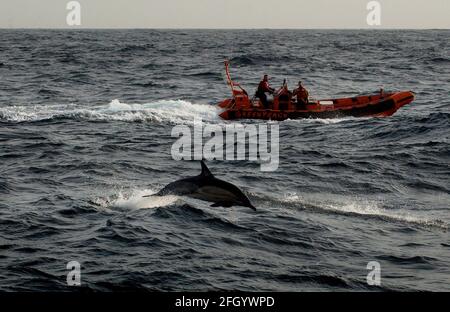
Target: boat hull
351	107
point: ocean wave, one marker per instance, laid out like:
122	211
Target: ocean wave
5	187
405	260
370	209
207	75
437	60
254	59
437	118
135	47
363	208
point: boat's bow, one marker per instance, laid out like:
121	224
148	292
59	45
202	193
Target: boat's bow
403	98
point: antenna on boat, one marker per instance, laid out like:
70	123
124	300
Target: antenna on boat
227	72
236	89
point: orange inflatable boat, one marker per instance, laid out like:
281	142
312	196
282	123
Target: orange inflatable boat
284	106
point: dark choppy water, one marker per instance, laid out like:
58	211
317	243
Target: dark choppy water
85	123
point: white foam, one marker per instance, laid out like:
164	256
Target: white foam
175	111
364	207
327	121
136	200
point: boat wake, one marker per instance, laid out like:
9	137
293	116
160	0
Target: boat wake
328	121
170	111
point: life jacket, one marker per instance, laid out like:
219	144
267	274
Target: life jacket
263	86
302	94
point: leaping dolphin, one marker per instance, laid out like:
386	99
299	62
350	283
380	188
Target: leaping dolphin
208	188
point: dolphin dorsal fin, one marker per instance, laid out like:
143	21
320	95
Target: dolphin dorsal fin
205	170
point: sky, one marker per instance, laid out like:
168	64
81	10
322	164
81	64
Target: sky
297	14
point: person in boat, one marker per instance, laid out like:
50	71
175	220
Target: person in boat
302	94
264	87
284	96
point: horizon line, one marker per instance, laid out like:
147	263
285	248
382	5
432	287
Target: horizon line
214	28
